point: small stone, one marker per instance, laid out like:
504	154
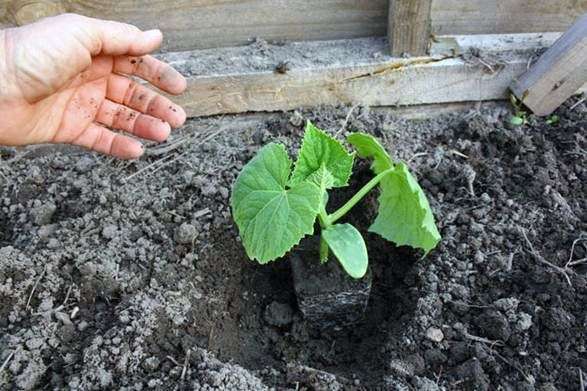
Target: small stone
124	317
435	334
34	343
43	213
199	181
209	190
62	317
507	304
53	243
74	383
185	233
224	192
110	231
485	198
82	325
524	322
278	314
46	304
401	368
151	364
188	177
296	119
47	230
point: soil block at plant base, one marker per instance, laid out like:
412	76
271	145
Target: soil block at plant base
326	295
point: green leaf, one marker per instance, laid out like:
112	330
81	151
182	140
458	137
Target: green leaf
348	246
320	150
369	147
404	215
271	217
324	180
516	120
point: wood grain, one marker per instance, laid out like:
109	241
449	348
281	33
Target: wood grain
365	79
198	24
557	74
409	26
504	16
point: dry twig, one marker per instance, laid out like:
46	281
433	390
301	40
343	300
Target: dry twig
484	340
5	363
577	104
28	302
185	364
571	262
347	119
541	259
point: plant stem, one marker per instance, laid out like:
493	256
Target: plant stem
343	210
323	219
323	250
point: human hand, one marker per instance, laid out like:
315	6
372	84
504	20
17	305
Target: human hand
66	79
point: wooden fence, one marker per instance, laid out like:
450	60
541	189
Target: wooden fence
435	33
196	24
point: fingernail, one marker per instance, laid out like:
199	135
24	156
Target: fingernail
153	34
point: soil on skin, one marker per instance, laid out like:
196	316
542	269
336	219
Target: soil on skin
130	275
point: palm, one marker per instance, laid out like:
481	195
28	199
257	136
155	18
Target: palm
73	97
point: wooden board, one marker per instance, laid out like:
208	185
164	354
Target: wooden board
195	24
504	16
367	79
409	27
557	74
189	24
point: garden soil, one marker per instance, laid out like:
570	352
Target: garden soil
130	275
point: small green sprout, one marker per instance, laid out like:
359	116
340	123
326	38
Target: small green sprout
274	208
520	116
553	119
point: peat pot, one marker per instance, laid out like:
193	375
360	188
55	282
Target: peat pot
327	296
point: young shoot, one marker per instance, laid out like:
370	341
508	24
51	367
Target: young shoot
274	208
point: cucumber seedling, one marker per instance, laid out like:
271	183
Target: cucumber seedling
274	208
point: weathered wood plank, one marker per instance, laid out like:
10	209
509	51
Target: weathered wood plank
491	43
504	16
557	74
387	84
357	72
409	26
191	24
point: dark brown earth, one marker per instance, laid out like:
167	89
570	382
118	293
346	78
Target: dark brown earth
130	275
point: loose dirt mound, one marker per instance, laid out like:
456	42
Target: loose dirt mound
119	275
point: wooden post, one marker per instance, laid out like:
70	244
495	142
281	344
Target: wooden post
409	27
557	74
